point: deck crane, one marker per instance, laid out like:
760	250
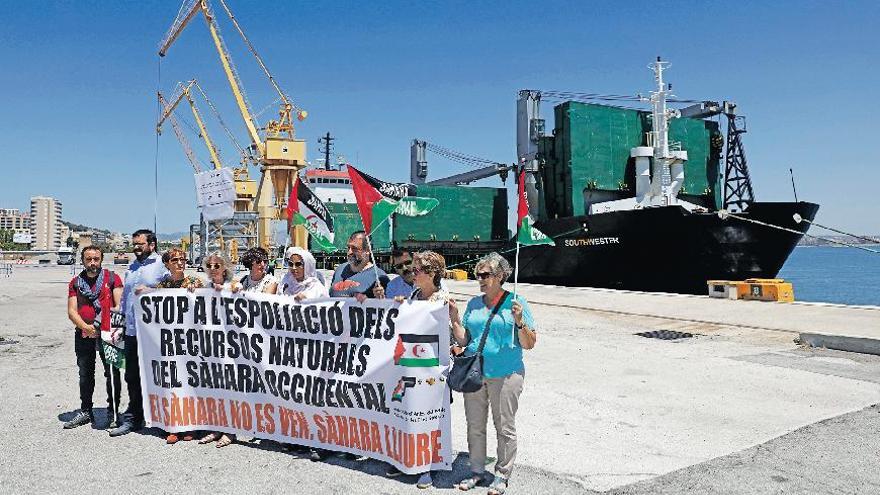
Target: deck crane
279	154
419	165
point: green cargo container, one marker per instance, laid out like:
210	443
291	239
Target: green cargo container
588	158
464	214
346	220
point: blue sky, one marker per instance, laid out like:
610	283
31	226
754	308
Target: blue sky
79	81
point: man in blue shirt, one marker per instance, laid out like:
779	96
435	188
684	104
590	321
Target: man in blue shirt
401	262
147	270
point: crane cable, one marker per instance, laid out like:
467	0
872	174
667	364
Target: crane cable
256	55
465	159
156	164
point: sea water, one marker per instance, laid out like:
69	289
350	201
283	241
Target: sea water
841	275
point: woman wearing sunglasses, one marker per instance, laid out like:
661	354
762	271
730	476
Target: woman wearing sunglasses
175	262
256	259
220	278
301	280
428	269
219	271
510	330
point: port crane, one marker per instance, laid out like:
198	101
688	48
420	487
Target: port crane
278	153
241	229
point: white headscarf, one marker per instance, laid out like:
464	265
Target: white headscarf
311	284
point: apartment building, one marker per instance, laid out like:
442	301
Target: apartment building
46	226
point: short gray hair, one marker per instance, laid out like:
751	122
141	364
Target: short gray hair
496	265
227	266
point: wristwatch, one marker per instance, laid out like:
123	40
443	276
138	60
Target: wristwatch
519	326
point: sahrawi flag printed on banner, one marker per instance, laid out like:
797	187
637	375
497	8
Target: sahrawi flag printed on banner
304	208
377	199
527	234
417	351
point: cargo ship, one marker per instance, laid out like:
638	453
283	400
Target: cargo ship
655	200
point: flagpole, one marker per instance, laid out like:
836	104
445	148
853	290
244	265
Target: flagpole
370	247
516	270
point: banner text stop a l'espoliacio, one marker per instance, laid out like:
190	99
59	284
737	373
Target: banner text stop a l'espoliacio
366	378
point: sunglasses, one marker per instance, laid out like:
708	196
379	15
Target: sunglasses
177	260
296	264
214	266
401	266
484	275
420	269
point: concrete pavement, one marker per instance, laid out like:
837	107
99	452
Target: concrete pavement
603	409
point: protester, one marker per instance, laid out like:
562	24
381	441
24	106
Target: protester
91	296
428	269
144	271
511	330
256	259
175	262
401	263
301	280
358	277
219	274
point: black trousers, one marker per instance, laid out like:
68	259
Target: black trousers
86	350
133	380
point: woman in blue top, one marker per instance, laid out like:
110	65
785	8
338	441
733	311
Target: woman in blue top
511	330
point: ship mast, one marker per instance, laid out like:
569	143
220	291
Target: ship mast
668	166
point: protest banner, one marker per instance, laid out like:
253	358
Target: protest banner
367	378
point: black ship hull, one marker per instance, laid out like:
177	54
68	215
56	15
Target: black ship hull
665	249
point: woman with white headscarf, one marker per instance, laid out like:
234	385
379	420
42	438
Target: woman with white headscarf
302	280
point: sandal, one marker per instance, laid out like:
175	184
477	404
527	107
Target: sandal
210	437
224	441
498	487
171	439
470	483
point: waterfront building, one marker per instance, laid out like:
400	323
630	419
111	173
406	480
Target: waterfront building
46	226
13	219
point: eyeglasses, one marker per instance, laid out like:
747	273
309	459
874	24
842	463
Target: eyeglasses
214	266
296	264
177	260
484	275
401	266
420	269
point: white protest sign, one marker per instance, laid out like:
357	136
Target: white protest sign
367	378
215	194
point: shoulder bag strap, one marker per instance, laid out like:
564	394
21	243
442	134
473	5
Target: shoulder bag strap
489	321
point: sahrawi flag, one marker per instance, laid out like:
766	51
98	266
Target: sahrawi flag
377	199
304	208
527	233
417	350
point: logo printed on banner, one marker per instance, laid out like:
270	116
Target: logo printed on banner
404	383
418	351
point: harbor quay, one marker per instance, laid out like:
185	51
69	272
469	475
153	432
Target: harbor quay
626	392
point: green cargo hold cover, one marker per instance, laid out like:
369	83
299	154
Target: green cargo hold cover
464	214
591	151
346	220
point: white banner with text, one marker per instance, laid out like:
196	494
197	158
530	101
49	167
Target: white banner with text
367	378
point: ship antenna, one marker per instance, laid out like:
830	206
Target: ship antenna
791	173
660	132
